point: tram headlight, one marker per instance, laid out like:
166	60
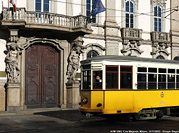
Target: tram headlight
85	100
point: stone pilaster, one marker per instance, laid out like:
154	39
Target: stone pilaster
13	96
111	30
73	94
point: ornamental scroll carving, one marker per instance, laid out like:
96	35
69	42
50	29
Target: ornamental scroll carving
160	49
131	48
74	59
11	60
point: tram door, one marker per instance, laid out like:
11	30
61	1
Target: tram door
126	77
42	62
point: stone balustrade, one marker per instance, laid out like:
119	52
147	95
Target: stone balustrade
44	18
131	34
160	37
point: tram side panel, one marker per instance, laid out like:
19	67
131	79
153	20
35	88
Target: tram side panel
118	102
155	99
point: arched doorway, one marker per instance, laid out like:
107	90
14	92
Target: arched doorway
42	76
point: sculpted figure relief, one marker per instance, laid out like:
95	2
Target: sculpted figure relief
11	61
74	59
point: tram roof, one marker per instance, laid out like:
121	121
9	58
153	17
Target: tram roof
114	58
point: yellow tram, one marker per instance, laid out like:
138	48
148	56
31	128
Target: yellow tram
144	87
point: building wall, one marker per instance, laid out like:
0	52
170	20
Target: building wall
106	38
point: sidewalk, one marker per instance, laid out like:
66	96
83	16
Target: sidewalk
32	111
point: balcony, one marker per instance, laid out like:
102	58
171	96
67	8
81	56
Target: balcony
42	20
131	34
161	37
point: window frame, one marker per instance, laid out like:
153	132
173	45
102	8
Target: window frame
42	3
112	72
130	13
95	82
158	26
131	77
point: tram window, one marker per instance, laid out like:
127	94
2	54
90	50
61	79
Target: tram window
161	81
141	81
152	81
178	71
111	77
171	70
126	77
171	81
97	80
153	70
177	83
126	69
142	69
86	80
162	70
86	66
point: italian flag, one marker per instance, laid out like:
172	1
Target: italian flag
13	3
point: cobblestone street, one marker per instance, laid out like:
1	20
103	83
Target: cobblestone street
72	121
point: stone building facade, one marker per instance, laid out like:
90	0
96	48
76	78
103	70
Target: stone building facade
44	41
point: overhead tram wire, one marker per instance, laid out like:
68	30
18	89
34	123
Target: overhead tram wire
169	9
136	13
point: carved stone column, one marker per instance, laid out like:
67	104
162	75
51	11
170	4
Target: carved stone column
73	65
13	72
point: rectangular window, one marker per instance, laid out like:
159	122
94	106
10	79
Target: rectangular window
87	80
97	80
155	24
127	20
177	82
38	5
111	77
152	81
142	69
126	77
141	81
178	71
162	70
131	21
171	81
162	81
46	5
153	70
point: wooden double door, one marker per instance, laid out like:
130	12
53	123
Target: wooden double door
42	76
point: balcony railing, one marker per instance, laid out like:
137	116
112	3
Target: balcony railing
131	34
160	37
43	18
